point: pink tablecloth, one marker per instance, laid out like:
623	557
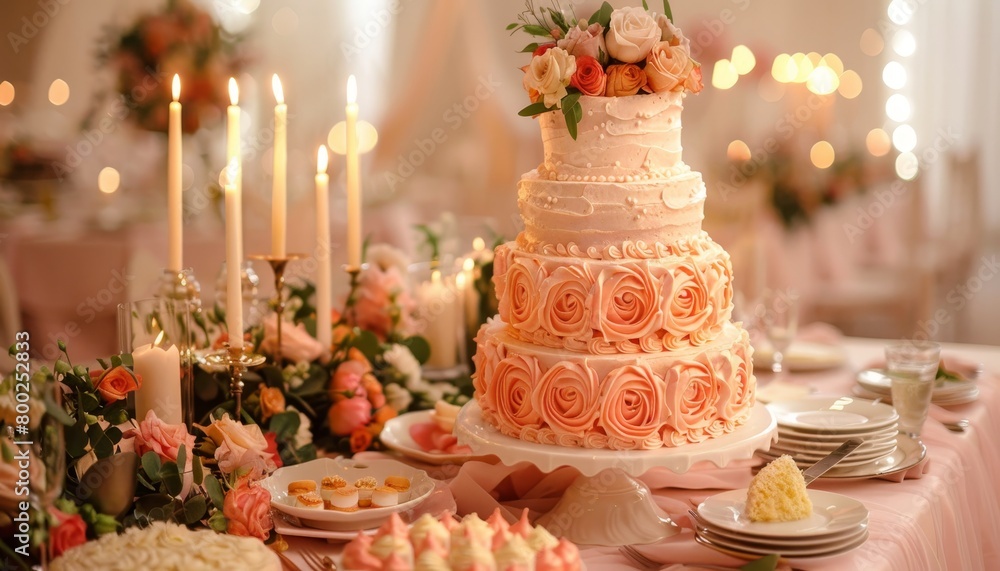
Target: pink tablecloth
948	517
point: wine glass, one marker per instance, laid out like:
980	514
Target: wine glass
778	315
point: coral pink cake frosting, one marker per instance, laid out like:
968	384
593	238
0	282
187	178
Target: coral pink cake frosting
614	327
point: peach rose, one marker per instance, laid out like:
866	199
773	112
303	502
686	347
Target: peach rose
68	532
692	394
632	403
297	345
587	41
272	402
589	78
239	447
741	383
162	438
624	80
247	508
349	415
373	391
626	302
685	303
361	439
549	74
693	83
632	33
667	67
488	357
718	279
115	384
510	391
567	398
346	382
565	302
519	307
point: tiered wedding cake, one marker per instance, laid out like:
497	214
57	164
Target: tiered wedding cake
614	328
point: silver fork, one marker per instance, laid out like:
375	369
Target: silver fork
318	562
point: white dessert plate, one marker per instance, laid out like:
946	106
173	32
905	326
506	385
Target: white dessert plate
782	547
908	453
802	356
839	437
396	435
832	513
833	415
785	440
850	533
758	432
421	486
859	454
746	551
803	461
285	524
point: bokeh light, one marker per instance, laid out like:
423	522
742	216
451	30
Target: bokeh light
894	75
58	92
850	84
738	151
907	166
904	138
6	93
108	180
872	42
878	142
724	74
897	107
821	154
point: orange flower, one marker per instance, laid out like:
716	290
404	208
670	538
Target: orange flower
117	383
361	439
373	389
272	401
340	333
385	414
355	354
625	79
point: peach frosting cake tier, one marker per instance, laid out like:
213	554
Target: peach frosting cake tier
615	307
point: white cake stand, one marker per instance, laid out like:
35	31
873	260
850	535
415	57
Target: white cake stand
606	505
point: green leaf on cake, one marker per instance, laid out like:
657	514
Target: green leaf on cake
667	11
536	108
603	15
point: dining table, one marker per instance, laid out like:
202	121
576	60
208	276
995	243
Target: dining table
944	513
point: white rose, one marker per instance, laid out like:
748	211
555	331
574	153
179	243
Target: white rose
397	397
632	33
304	434
668	32
400	358
549	74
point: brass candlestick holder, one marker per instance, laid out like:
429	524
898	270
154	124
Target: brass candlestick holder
278	265
236	360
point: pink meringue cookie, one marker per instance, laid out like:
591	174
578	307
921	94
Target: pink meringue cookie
357	557
395	527
448	520
500	538
432	543
548	560
497	522
569	553
396	562
523	527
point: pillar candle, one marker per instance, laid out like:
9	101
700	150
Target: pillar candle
160	370
353	177
234	257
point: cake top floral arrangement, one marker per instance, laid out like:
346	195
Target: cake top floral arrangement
613	53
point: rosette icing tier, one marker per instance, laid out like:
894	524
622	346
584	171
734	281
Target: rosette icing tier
618	401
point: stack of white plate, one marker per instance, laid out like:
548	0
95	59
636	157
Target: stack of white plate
812	427
838	524
875	384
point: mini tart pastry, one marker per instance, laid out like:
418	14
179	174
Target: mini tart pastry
400	484
309	501
384	497
365	488
329	484
343	499
299	487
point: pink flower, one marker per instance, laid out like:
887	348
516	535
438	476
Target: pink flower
510	392
68	532
240	448
566	302
568	398
631	404
383	303
247	508
346	382
626	302
585	42
297	345
162	438
349	415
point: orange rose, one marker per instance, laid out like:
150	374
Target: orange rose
272	401
385	414
373	389
115	384
361	439
667	68
624	79
355	354
589	78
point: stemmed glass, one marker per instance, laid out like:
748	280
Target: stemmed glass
778	315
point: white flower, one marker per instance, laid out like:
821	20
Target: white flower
549	74
397	397
385	257
400	358
304	435
668	31
632	33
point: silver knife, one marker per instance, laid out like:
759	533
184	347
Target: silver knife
820	468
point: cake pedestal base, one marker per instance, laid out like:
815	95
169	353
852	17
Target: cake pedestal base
606	505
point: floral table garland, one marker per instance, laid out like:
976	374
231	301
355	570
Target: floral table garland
208	474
